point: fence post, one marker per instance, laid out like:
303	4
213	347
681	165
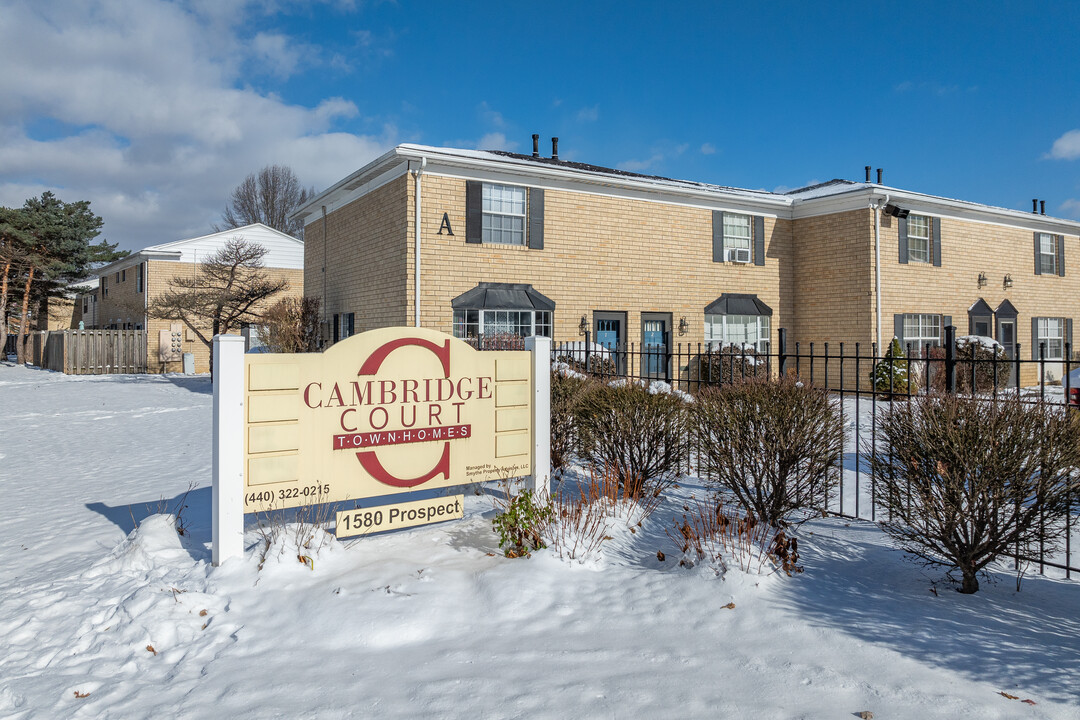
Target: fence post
540	347
950	359
227	498
781	347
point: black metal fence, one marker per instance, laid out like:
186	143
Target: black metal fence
865	381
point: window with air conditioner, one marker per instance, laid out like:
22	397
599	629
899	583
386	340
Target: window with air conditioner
737	237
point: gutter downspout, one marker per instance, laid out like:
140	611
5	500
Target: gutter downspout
416	248
326	317
876	206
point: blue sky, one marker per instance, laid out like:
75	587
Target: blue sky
155	110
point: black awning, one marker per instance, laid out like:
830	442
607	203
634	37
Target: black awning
737	304
1005	310
502	296
980	309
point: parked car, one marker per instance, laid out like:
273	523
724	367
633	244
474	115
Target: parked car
1073	385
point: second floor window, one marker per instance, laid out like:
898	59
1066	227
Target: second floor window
737	237
919	238
504	214
1047	254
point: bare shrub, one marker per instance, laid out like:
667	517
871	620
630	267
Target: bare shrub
727	365
595	360
292	325
984	356
776	444
567	391
965	481
723	537
638	436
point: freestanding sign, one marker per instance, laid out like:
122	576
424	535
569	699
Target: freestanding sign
384	412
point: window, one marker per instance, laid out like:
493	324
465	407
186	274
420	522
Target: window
345	326
918	238
921	332
104	287
470	323
139	278
504	215
736	237
1051	336
739	330
123	275
85	305
1047	254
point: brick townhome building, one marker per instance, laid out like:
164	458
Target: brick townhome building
474	242
126	287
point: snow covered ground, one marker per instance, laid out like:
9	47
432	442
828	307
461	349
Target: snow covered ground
99	619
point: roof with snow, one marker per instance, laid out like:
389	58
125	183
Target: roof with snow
283	251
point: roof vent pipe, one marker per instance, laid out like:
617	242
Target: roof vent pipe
536	145
554	148
879	176
1034	205
1042	207
867	173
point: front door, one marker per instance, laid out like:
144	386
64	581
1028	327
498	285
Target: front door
610	332
1007	337
654	345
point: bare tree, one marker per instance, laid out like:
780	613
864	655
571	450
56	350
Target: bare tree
228	289
270	197
965	481
292	325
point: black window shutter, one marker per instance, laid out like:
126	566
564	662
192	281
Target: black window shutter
335	328
536	218
1035	331
1068	335
718	236
352	324
898	328
1038	269
1061	255
936	230
901	224
759	240
946	321
474	210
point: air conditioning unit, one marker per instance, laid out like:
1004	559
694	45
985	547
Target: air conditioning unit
739	255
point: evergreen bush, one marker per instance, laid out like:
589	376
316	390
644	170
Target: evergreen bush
891	373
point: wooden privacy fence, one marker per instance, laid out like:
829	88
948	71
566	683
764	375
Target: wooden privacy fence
91	352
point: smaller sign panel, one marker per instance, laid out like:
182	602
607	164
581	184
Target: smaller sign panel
364	521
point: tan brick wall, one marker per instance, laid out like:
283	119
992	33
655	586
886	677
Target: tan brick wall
833	281
968	248
364	260
600	254
159	273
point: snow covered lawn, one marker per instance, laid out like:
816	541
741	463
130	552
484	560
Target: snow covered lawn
98	621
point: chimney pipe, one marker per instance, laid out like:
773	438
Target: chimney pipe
536	145
1034	205
1042	207
867	173
879	176
554	148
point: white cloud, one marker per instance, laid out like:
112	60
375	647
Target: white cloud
495	141
640	165
589	114
707	149
1066	147
147	114
1070	208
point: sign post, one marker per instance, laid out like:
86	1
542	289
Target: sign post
540	347
227	497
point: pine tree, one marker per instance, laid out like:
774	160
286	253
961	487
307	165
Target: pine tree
890	374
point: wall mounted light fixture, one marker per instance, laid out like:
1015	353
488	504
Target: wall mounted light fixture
684	327
982	279
583	326
1007	282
